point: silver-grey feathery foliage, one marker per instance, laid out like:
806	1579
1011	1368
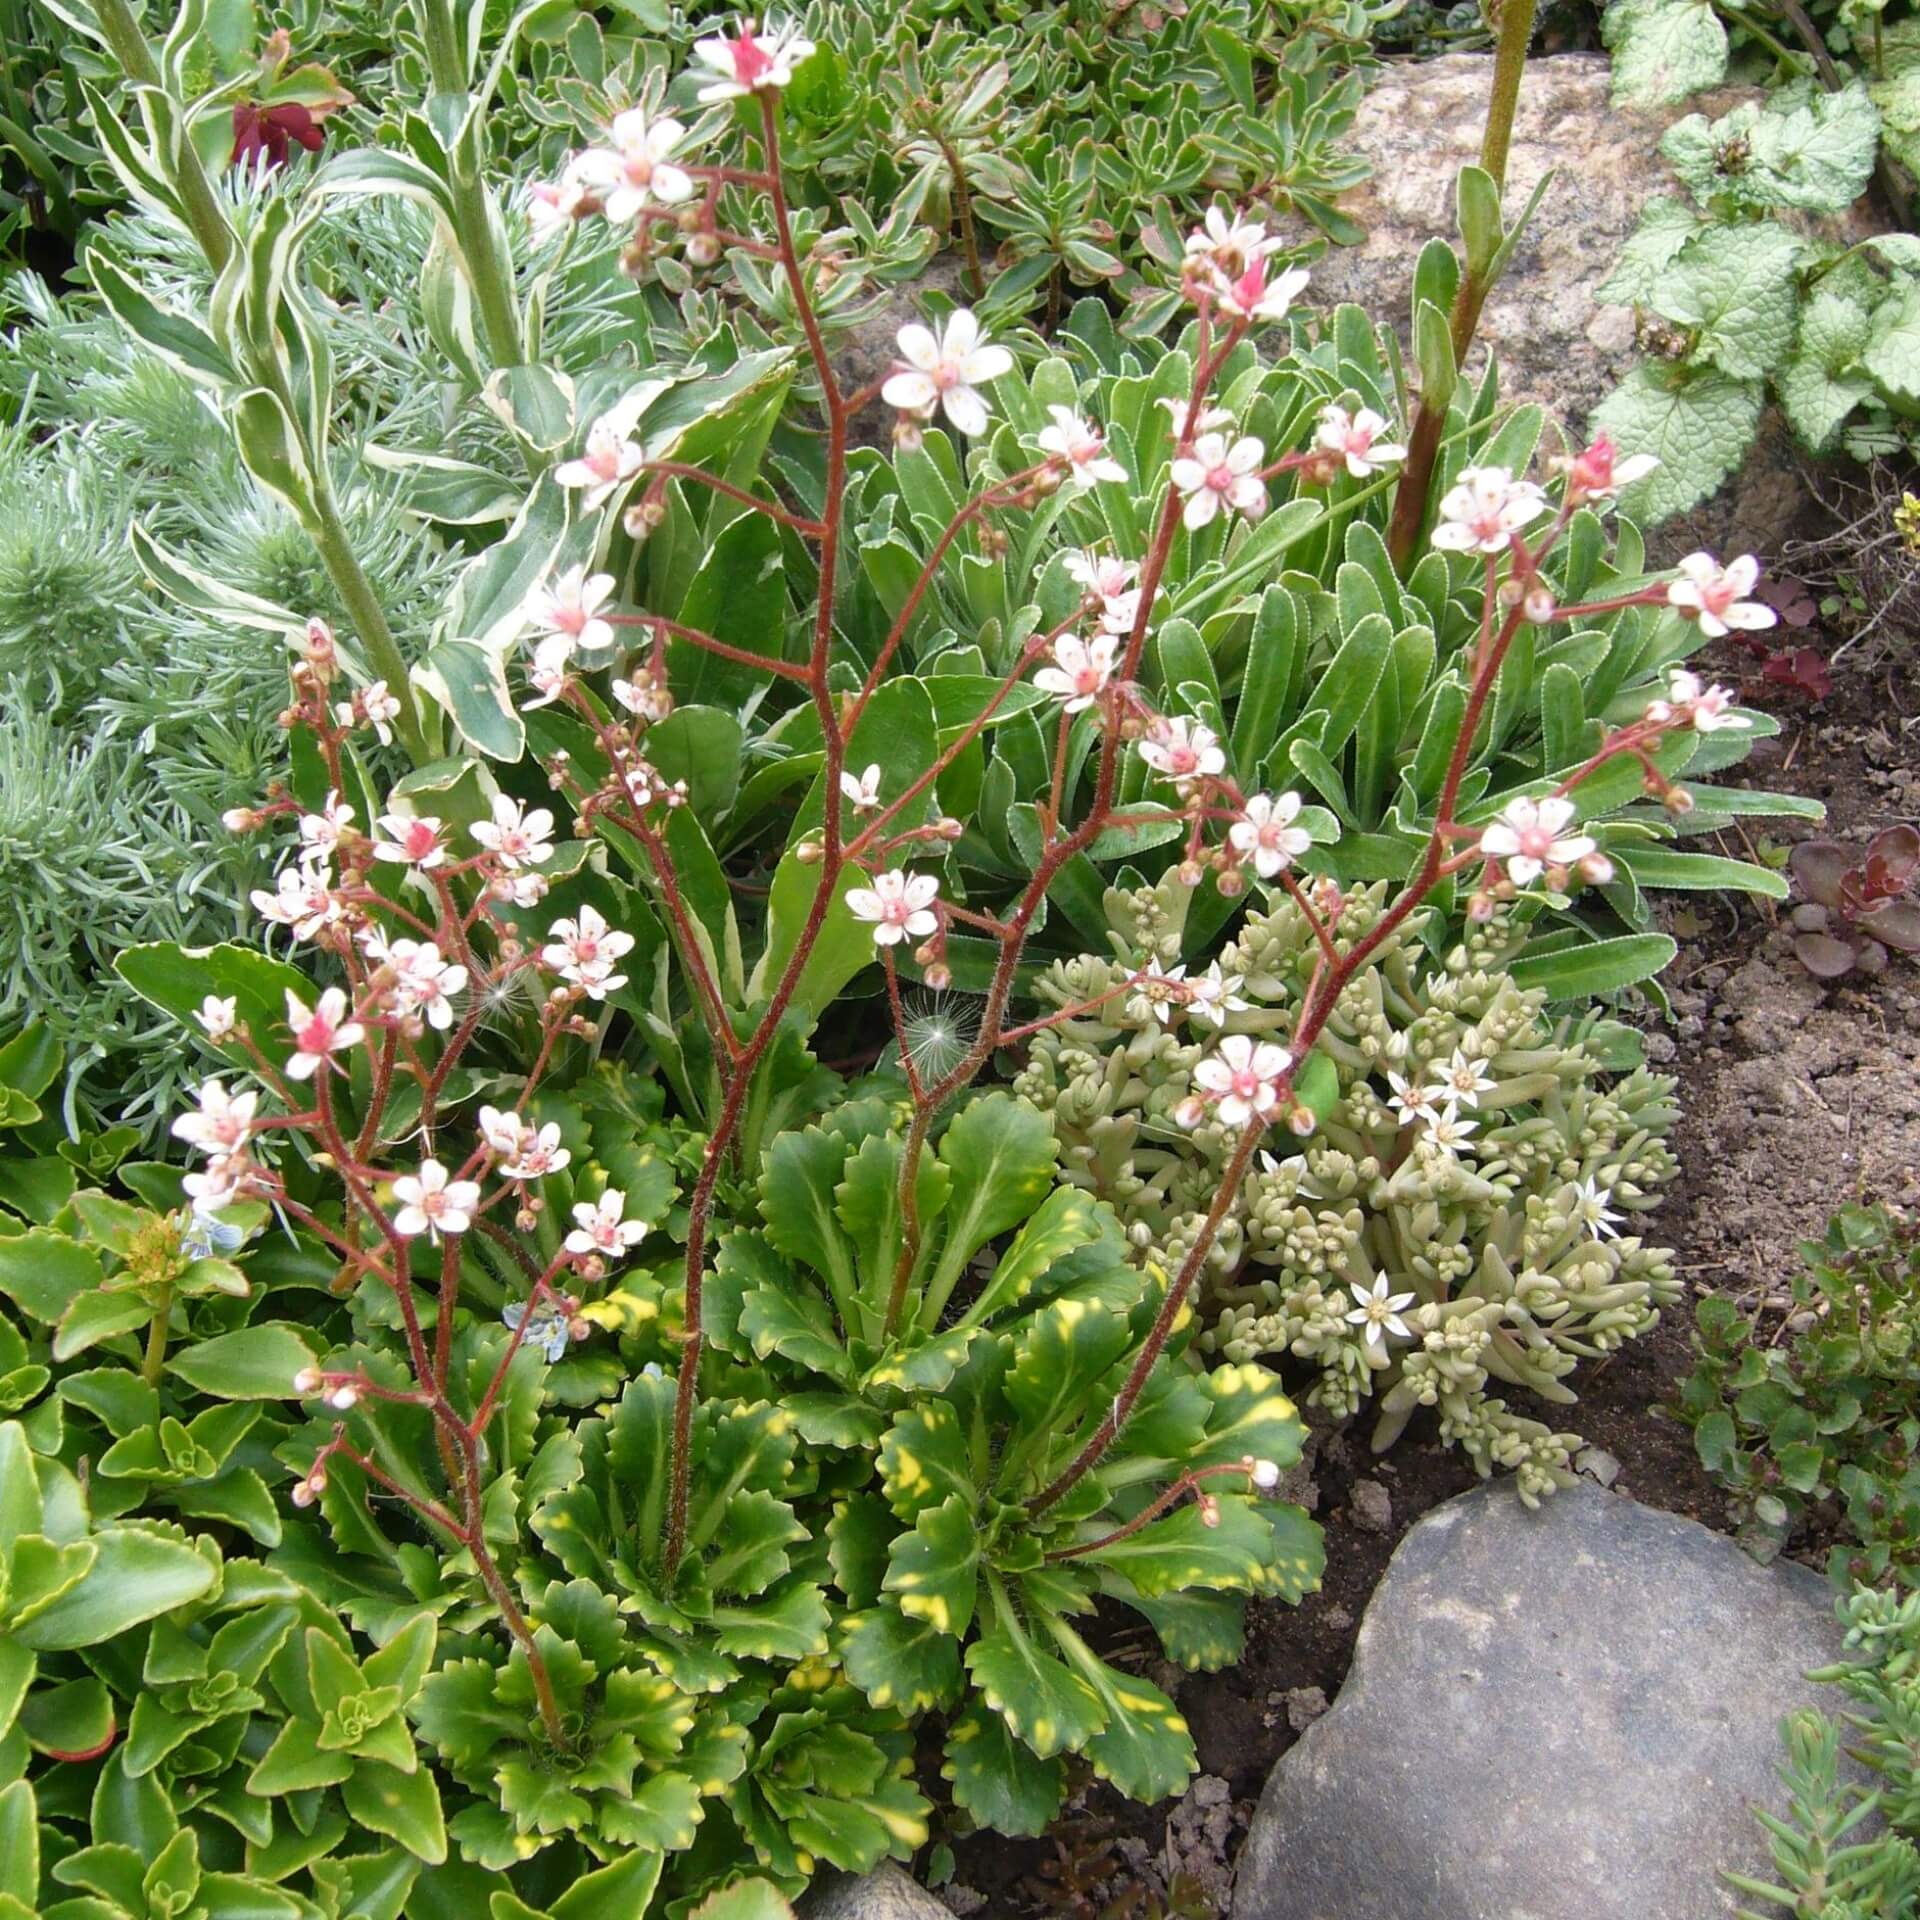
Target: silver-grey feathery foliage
1506	1243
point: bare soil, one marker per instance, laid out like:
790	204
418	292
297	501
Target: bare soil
1796	1097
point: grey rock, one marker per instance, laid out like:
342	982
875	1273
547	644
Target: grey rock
1598	1465
1553	1715
1558	347
1371	1505
884	1894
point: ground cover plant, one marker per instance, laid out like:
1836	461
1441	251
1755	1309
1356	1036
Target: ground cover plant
1743	297
655	1373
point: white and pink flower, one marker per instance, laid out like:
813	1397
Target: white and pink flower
861	792
1081	669
223	1121
568	608
1220	475
634	169
947	372
516	836
425	982
1183	751
303	900
320	833
750	63
608	461
1716	596
1706	708
1242	1079
433	1202
600	1228
1531	835
1212	995
1483	512
218	1015
1082	446
585	951
410	840
1598	474
1249	295
1354	438
898	906
319	1032
1265	833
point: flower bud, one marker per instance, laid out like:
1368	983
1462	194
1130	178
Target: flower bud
1263	1473
239	819
1301	1119
1539	605
1511	592
1480	907
939	976
1190	873
344	1398
703	249
909	433
809	853
306	1381
1596	869
1231	882
1190	1112
1209	1510
1677	800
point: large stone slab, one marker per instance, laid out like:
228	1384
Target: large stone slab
884	1894
1561	1715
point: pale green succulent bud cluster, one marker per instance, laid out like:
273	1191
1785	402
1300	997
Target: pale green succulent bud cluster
1507	1243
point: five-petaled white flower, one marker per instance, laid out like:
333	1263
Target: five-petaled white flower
1716	596
1082	446
218	1184
633	170
1355	438
319	1032
1243	1077
1218	474
517	837
861	792
1080	670
1112	582
583	952
526	1152
303	899
1249	295
218	1016
644	694
599	1228
1266	835
1485	509
1226	244
554	205
899	905
433	1203
1157	991
1183	751
548	673
1378	1311
412	839
1593	1210
1708	708
1531	836
568	608
223	1121
424	983
1212	995
320	832
377	705
1447	1131
1411	1100
606	464
947	372
1464	1079
750	63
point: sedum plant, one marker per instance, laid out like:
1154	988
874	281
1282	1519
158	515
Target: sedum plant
1458	1223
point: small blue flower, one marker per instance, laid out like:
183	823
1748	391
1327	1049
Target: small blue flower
547	1330
204	1235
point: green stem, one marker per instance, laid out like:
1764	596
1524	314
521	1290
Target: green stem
488	270
350	582
156	1359
1423	444
198	201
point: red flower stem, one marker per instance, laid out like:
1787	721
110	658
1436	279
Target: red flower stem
680	470
745	656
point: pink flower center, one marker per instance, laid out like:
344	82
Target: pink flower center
1220	479
1536	842
570	619
1246	1083
420	839
1087	680
1718	595
750	60
1250	285
946	376
316	1036
896	912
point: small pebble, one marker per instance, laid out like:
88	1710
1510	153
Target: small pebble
1597	1464
1305	1705
1371	1506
